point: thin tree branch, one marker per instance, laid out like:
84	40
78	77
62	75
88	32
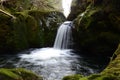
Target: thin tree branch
7	13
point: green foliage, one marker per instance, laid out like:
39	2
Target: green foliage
8	75
72	77
18	74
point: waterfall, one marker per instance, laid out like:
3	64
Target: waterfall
63	39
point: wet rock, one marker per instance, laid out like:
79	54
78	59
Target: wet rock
98	29
18	74
30	29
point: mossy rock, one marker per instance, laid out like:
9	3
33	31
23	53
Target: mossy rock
72	77
18	74
26	31
98	31
5	32
97	26
30	29
48	22
92	77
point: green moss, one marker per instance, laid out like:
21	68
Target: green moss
72	77
102	77
98	32
5	32
30	29
7	74
19	33
33	32
18	74
93	77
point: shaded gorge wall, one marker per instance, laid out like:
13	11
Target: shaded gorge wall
98	33
30	29
33	24
97	25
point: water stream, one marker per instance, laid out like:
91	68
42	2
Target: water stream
53	64
64	36
57	62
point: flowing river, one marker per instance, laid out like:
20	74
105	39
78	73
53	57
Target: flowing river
53	64
57	62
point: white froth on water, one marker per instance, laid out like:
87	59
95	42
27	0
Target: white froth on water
45	53
54	63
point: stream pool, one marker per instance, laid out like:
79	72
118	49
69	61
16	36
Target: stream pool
54	64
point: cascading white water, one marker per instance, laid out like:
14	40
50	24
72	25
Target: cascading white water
63	39
52	63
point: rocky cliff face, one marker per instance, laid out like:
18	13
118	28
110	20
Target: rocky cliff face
97	25
98	32
28	30
79	6
28	23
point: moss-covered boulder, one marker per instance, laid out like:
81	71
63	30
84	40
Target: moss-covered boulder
30	29
111	72
98	28
18	74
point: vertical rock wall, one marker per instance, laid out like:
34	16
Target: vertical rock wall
35	24
97	25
